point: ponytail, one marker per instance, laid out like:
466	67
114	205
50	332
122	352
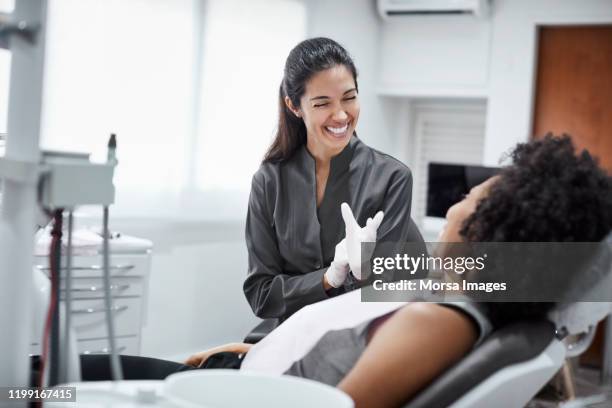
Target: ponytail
290	134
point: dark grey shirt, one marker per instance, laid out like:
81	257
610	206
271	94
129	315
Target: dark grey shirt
291	242
333	356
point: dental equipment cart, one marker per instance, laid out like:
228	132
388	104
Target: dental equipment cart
129	267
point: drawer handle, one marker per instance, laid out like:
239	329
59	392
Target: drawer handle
90	310
126	267
105	350
117	288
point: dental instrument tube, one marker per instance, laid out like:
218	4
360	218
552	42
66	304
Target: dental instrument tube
54	354
116	371
111	157
49	369
65	349
44	363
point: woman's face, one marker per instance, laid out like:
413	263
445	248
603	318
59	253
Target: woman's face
330	109
458	213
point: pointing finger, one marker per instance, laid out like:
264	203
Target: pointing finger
348	217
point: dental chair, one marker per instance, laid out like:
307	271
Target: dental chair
516	361
506	370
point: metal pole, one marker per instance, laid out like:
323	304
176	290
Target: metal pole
17	216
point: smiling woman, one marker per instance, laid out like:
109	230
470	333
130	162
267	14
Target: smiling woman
294	233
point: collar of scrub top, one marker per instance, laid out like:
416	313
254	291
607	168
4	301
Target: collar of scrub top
339	163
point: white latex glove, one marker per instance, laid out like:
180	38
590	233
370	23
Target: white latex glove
338	270
355	235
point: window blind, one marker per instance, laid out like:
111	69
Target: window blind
447	132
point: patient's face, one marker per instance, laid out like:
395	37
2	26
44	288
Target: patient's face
458	213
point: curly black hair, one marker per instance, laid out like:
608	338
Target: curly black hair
550	193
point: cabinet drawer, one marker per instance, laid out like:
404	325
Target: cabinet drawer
129	345
125	345
89	318
91	266
90	288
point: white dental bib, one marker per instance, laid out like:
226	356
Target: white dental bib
296	336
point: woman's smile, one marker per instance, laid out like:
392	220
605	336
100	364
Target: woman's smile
330	111
337	132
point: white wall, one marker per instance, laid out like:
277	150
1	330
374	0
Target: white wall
195	292
448	56
435	52
355	25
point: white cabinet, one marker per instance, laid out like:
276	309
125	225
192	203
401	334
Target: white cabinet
129	270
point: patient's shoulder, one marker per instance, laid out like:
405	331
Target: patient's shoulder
434	315
426	337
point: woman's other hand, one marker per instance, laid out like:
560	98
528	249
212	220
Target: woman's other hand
355	235
200	358
338	270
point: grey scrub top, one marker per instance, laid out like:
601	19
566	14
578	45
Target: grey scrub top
291	242
337	351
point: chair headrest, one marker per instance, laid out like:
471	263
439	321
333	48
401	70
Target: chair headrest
577	317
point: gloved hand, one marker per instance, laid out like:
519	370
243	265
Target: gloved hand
355	235
338	270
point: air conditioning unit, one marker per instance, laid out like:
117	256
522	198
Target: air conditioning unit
393	8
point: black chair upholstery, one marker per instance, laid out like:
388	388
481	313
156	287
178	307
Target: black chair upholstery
510	345
261	330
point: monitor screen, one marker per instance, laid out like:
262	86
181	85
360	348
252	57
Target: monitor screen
447	183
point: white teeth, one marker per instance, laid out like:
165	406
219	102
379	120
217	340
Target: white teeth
337	130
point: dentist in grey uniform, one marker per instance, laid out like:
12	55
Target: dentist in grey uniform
294	229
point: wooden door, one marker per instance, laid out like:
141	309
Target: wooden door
574	87
574	96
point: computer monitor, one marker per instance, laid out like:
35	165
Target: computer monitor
448	183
